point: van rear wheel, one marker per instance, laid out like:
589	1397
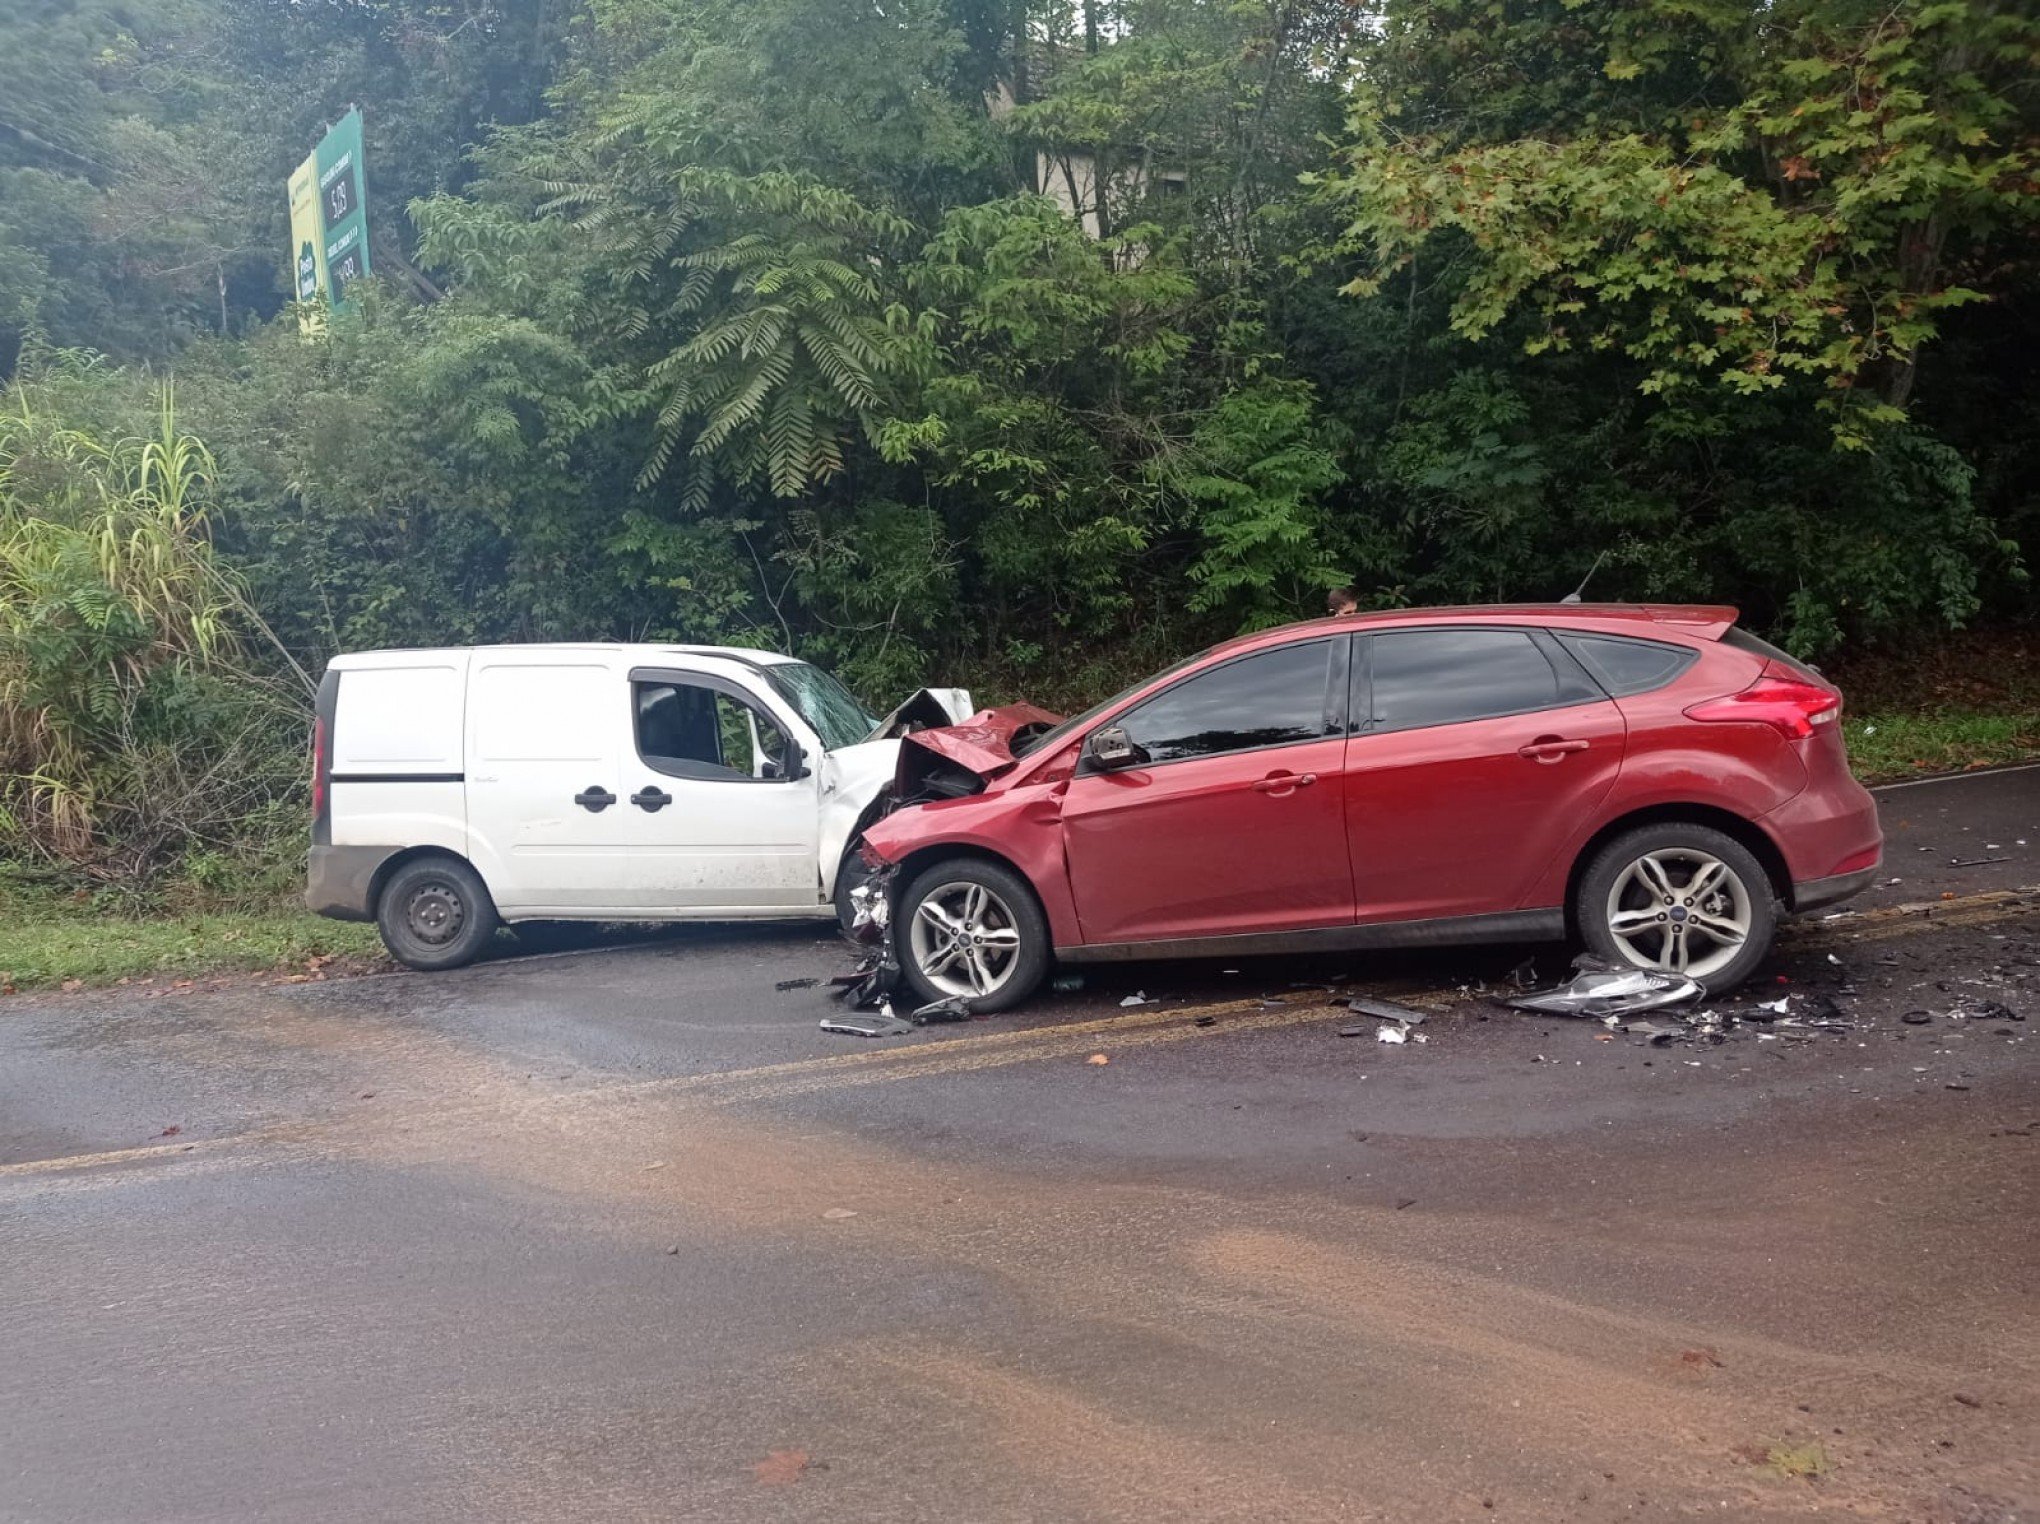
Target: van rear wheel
435	913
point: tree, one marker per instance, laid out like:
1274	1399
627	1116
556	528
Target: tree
1752	196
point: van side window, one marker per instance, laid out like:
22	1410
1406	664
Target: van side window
687	731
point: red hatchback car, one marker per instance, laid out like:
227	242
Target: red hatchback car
1647	779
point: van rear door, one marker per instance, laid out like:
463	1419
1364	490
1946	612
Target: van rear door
545	812
392	757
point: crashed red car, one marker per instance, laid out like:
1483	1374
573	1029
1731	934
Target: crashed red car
1649	780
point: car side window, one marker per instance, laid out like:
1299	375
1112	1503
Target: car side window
1626	667
1446	677
688	730
1272	698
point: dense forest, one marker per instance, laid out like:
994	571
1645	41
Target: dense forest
1016	342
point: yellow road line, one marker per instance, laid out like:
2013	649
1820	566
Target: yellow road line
112	1156
1921	916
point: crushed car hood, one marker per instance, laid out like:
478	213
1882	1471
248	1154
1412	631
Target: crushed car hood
949	761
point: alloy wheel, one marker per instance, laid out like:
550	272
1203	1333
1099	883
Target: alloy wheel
1680	910
964	939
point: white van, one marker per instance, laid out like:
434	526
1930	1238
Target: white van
454	789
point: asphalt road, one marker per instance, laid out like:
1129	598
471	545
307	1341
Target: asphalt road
620	1234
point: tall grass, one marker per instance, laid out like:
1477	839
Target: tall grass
134	723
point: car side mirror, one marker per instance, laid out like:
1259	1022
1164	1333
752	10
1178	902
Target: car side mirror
797	764
1111	748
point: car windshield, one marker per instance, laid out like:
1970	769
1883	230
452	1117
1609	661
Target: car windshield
1069	727
829	708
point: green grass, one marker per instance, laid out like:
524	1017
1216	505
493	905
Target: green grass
48	944
1885	748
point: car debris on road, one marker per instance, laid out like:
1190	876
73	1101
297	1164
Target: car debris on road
1599	989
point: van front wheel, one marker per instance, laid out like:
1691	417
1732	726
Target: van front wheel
435	913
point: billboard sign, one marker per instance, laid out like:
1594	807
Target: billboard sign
329	215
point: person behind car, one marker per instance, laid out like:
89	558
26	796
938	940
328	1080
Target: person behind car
1342	600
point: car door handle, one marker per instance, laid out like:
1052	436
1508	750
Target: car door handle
1284	783
595	800
651	800
1550	749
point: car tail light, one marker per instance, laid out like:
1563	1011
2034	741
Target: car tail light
1778	698
319	767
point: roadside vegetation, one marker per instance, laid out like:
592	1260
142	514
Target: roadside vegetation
1942	705
50	942
1026	344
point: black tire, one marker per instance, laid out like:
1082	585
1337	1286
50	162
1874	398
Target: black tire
434	913
1744	896
1016	907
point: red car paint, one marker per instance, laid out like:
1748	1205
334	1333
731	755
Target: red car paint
1477	818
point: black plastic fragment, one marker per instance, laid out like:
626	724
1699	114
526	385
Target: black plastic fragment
1387	1010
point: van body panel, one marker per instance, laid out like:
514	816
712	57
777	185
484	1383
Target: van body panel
404	718
542	731
399	813
395	753
851	778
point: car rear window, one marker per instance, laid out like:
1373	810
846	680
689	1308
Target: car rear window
1626	667
1445	677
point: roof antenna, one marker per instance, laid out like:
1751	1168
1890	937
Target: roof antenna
1574	595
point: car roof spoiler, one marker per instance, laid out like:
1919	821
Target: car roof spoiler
1709	621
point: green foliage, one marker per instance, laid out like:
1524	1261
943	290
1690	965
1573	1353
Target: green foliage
1257	466
130	726
980	341
1789	218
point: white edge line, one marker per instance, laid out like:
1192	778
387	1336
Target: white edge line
1981	772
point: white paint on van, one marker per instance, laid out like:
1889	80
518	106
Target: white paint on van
532	730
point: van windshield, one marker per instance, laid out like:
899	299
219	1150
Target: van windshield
830	709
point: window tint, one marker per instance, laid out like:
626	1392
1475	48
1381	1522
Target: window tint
1270	699
1629	666
1440	677
696	732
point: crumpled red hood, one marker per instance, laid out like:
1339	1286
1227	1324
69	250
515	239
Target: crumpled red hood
982	744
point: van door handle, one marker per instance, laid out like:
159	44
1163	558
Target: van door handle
1550	749
595	800
651	800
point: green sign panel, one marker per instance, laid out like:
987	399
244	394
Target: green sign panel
329	215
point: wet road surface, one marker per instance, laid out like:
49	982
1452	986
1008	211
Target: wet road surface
621	1235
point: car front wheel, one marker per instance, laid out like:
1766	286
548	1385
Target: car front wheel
1682	899
972	928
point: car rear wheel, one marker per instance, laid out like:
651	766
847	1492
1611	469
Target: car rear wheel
971	928
1682	899
435	913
